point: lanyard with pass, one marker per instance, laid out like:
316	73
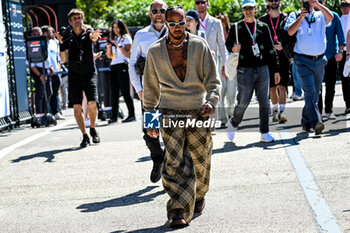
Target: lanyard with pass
274	28
255	47
253	36
206	23
310	21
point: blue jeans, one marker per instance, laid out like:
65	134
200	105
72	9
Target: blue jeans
248	80
311	74
228	96
298	86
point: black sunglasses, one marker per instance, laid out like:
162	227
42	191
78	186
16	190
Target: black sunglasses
274	0
155	11
248	8
201	2
173	24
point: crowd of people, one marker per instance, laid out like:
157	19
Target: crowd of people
177	66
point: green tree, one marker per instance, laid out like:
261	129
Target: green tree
101	13
95	10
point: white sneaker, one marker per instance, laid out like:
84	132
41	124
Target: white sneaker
231	131
59	116
266	137
87	122
330	116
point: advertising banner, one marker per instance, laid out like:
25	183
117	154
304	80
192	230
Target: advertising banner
4	88
19	53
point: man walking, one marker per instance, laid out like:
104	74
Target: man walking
256	52
334	53
177	59
278	92
309	57
345	81
212	27
78	51
55	59
142	41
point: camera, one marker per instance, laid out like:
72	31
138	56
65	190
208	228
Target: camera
66	33
306	5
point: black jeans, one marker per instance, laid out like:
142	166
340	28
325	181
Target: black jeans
153	144
345	81
40	99
54	100
330	78
120	82
107	96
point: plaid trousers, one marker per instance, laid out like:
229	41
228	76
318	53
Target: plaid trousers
186	171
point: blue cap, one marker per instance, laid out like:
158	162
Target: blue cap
192	14
248	3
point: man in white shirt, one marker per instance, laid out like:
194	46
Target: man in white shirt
55	60
345	8
216	40
142	41
309	57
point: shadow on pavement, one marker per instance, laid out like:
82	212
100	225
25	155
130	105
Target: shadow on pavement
130	199
163	228
50	155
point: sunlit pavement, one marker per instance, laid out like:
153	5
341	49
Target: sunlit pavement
300	183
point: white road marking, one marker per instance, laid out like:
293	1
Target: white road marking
321	212
30	139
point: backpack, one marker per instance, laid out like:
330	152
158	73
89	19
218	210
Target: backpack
288	42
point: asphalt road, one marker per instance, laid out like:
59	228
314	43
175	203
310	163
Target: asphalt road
300	183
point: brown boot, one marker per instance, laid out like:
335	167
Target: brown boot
177	222
199	206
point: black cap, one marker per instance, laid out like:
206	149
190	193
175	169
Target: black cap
192	14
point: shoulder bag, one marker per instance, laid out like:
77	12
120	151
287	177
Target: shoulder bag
232	60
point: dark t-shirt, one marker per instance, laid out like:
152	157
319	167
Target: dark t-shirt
80	55
264	41
266	19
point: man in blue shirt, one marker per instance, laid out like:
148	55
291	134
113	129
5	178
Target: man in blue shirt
309	57
334	53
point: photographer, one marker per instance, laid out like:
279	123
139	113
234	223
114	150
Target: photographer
309	57
76	46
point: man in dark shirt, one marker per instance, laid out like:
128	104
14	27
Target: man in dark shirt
81	71
275	19
256	50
